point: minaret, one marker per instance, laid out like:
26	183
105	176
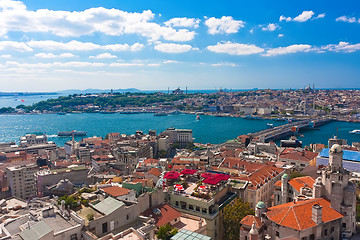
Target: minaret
254	233
284	188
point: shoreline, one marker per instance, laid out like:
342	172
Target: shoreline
231	115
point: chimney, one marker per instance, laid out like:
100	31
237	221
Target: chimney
317	214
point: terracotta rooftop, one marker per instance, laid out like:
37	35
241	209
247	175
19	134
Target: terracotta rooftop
299	182
294	154
155	172
249	219
116	191
299	215
166	214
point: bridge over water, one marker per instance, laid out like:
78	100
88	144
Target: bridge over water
289	129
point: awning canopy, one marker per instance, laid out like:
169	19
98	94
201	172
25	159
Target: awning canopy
171	175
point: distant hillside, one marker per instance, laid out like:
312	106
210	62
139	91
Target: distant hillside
90	90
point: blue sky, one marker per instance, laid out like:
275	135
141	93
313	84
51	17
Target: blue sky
153	44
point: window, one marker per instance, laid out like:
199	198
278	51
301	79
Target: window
73	237
312	237
331	229
344	225
325	232
177	203
127	216
197	209
277	234
104	227
204	210
191	207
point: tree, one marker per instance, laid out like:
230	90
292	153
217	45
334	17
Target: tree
233	213
295	174
166	232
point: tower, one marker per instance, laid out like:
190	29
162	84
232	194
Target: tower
339	190
254	233
284	188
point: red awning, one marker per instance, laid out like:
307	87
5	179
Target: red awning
171	175
188	171
212	181
207	175
224	177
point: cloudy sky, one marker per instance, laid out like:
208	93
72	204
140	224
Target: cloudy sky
156	44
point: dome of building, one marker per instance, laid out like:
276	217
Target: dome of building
64	185
336	148
285	176
260	204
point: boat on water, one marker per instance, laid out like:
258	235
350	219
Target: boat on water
75	133
129	112
198	118
270	125
356	131
160	114
61	113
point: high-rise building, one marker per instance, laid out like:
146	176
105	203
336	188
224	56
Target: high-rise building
21	180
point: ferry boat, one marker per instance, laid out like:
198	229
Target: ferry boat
160	114
76	133
356	131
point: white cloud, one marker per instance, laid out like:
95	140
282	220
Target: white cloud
321	15
67	55
224	64
283	18
170	61
14	46
303	17
125	64
45	55
53	64
342	47
183	22
270	27
280	35
346	19
82	46
5	56
14	16
235	48
289	49
103	55
124	47
173	48
223	25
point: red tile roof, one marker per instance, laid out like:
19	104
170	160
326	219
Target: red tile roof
167	214
116	191
249	219
155	171
299	182
294	154
261	176
299	215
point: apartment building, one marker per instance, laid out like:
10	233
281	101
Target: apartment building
21	180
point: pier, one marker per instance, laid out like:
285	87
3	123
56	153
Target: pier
289	129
